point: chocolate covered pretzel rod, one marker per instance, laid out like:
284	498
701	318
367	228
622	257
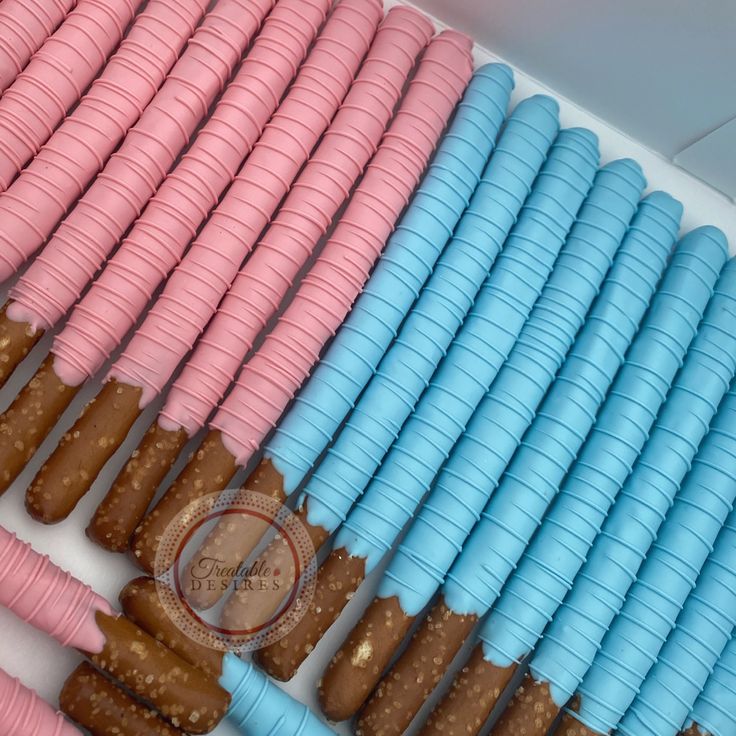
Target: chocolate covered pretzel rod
635	638
116	197
408	259
54	602
714	712
98	705
35	202
159	237
24	713
570	642
192	294
258	707
269	380
24	26
396	491
511	517
46	89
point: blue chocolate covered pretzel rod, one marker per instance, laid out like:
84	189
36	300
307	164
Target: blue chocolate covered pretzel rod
490	327
480	456
482	453
714	712
693	648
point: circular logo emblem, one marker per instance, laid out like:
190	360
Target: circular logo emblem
236	571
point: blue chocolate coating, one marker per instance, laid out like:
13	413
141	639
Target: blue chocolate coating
714	711
261	708
546	571
498	423
669	574
441	308
572	639
567	412
688	657
482	344
398	277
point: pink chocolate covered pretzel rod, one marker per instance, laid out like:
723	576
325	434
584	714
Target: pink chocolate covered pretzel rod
53	81
307	212
24	713
172	218
24	26
56	603
269	380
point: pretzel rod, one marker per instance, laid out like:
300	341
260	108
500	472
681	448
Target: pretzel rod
24	713
377	311
183	201
667	577
240	218
600	586
54	602
714	712
141	603
465	708
133	173
36	201
175	321
336	278
24	26
484	341
373	525
46	89
563	420
258	707
159	237
102	708
691	651
425	322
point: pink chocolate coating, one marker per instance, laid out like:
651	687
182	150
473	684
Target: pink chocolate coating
24	26
302	220
271	378
194	290
116	197
48	598
35	202
24	713
172	218
54	80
